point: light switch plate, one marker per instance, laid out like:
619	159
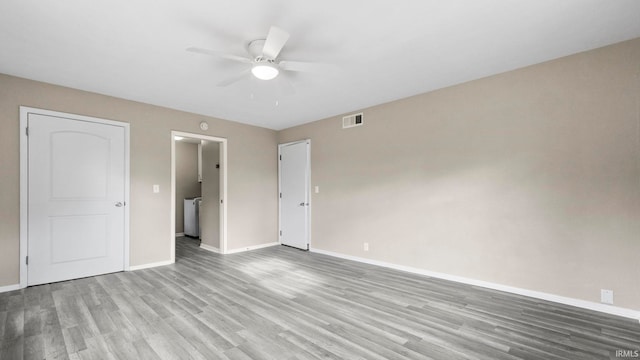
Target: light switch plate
317	189
156	188
606	296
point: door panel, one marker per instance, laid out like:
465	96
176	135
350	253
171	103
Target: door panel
294	190
76	184
68	151
76	238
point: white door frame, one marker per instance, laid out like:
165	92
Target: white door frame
223	188
24	180
280	146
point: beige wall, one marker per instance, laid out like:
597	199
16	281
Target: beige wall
187	184
252	178
210	207
528	179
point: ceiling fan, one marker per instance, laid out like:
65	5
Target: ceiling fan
263	58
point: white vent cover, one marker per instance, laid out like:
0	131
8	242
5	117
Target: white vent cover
352	120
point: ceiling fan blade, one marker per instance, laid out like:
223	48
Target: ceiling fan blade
299	65
235	78
275	42
219	54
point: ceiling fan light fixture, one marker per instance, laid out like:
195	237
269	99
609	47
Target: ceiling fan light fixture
264	71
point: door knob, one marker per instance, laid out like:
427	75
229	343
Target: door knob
118	204
303	204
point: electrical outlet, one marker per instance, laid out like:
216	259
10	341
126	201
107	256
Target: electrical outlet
606	296
366	246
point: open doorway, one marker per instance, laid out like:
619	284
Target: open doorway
210	190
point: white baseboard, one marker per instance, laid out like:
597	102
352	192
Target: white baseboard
180	234
209	248
254	247
609	309
9	288
150	265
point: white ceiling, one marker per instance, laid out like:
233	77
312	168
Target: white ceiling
375	51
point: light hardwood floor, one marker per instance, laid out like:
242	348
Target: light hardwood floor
281	303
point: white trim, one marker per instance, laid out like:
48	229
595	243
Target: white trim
150	265
209	248
24	196
223	188
309	200
608	309
224	196
308	190
127	197
200	162
10	288
180	234
249	248
24	181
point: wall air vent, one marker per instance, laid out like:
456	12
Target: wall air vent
352	121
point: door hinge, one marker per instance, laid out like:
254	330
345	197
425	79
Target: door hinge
280	232
26	260
280	195
26	131
280	157
221	201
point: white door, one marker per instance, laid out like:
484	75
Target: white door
294	194
76	198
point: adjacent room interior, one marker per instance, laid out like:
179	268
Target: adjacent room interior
428	181
199	185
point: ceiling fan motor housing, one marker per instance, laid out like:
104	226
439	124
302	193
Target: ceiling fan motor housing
254	48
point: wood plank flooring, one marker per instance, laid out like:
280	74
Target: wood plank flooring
281	303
